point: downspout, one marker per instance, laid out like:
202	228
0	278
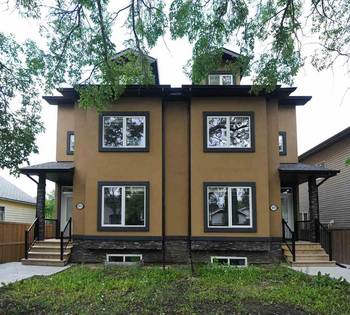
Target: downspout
163	181
189	232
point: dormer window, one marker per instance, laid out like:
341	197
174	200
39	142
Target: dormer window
220	79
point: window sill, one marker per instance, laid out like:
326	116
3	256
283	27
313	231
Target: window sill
229	229
123	150
228	150
123	228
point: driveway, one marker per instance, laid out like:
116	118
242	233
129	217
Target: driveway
15	271
334	272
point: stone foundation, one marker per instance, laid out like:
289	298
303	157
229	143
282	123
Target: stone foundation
94	250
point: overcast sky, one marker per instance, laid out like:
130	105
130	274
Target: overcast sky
326	114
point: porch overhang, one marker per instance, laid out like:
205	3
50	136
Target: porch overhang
299	173
58	172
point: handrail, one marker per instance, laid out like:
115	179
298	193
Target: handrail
284	239
68	224
324	236
26	237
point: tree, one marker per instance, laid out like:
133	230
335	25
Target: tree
80	52
50	205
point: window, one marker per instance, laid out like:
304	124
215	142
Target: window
220	79
230	206
2	213
70	142
228	132
229	261
124	131
123	258
282	143
123	206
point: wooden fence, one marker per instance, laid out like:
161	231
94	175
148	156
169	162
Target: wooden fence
341	245
12	239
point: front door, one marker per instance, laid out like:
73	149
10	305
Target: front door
287	207
66	205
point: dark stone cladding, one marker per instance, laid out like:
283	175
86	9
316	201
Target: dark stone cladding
94	249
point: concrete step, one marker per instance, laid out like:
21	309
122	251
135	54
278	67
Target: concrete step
44	262
43	247
304	251
311	246
44	255
313	263
306	257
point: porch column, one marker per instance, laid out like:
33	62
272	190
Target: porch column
313	207
40	206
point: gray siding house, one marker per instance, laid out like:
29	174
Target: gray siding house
334	194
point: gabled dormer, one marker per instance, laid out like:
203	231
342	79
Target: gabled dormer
125	54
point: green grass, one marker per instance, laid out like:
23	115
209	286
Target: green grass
151	290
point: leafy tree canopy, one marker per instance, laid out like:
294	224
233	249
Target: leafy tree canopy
79	50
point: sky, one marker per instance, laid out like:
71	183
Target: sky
325	115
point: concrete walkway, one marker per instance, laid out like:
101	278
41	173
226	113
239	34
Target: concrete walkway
14	271
334	272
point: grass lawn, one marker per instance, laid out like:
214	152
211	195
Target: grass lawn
151	290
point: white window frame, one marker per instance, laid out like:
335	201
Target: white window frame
212	258
124	256
123	206
229	201
124	132
228	144
221	75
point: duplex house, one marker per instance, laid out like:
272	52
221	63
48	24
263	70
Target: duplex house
203	172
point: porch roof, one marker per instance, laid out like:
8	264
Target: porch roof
58	172
298	173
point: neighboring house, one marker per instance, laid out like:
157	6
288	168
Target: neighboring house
171	173
334	198
15	204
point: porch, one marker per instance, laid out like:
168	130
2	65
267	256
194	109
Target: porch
49	241
307	242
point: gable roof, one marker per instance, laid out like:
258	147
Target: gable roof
325	144
10	192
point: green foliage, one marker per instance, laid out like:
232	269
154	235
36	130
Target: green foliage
347	162
151	290
50	205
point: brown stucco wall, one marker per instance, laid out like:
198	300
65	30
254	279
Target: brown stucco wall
92	166
176	174
261	166
65	122
287	122
231	167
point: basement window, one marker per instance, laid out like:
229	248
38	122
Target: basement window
126	259
229	261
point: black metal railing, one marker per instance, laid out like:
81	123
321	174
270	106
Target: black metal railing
30	236
324	237
303	230
288	237
66	236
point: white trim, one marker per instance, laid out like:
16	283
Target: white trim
123	206
228	260
124	256
124	140
228	142
229	208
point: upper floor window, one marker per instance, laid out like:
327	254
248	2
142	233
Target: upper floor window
220	79
70	142
124	131
229	132
229	206
2	213
123	205
282	143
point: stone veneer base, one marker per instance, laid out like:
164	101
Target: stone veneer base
94	250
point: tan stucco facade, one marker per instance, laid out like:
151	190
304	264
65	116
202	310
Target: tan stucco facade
260	167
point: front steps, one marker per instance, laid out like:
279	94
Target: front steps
47	253
308	254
